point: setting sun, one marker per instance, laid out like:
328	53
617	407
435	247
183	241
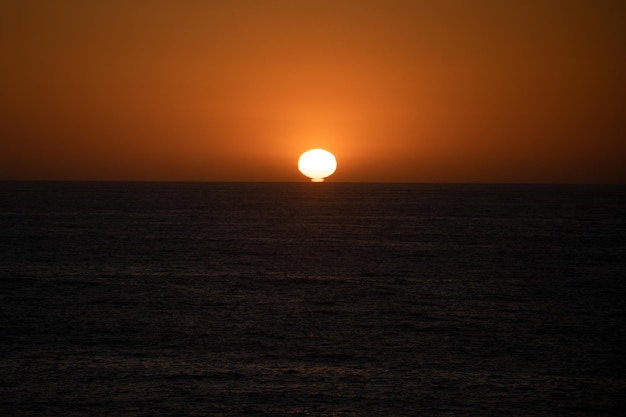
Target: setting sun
317	164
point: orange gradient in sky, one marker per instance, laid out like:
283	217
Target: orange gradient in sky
429	91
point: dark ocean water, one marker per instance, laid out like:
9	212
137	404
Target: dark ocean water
230	299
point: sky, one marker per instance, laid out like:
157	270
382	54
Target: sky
530	91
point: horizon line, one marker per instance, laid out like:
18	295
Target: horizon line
302	182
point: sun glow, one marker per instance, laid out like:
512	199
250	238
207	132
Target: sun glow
317	164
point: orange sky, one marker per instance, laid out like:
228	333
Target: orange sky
415	91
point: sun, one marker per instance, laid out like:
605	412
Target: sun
317	164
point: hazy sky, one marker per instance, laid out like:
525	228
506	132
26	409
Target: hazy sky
420	91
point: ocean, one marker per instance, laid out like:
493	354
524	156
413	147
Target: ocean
302	299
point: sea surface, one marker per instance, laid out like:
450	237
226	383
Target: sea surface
302	299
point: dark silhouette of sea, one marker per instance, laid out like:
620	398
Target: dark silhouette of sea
280	299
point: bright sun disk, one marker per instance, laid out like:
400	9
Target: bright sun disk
317	164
